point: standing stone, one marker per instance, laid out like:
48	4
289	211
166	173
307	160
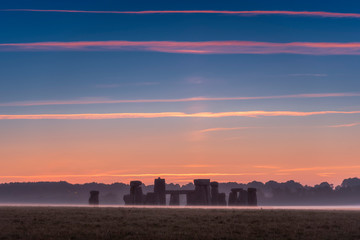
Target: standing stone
214	193
159	190
151	199
202	192
136	192
94	198
191	198
175	199
252	198
222	199
136	197
243	197
233	197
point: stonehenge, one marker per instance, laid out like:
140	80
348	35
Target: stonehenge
206	193
201	194
159	191
241	197
217	199
136	197
252	197
94	198
174	199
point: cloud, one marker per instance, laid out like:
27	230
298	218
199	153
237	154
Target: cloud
209	47
108	85
146	83
240	13
308	75
193	99
198	166
325	174
317	168
139	84
135	175
222	129
345	125
171	115
266	166
195	80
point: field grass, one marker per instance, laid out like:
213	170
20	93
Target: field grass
138	223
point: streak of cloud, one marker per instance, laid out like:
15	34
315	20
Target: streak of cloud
100	116
209	47
108	85
198	166
266	166
222	129
318	168
345	125
325	174
240	13
193	99
138	84
136	175
308	75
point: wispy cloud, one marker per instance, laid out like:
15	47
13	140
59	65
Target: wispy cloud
345	125
240	13
134	175
198	166
146	83
115	85
193	99
325	174
222	129
195	80
308	75
266	166
210	47
308	169
108	85
172	115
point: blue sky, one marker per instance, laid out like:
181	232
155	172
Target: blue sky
61	75
55	75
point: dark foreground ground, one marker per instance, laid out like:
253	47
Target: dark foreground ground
136	223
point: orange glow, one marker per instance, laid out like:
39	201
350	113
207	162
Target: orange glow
121	151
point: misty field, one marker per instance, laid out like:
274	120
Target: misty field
138	223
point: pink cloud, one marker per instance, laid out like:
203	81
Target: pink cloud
241	13
192	99
223	129
172	115
210	47
306	169
134	175
345	125
266	166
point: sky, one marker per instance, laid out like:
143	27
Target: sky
113	91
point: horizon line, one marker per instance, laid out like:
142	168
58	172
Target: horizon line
155	176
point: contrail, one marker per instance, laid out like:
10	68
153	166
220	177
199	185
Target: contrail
170	115
192	99
208	47
240	13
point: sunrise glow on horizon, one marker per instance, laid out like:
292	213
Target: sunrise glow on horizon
242	94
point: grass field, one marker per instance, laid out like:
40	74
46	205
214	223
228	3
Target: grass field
138	223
